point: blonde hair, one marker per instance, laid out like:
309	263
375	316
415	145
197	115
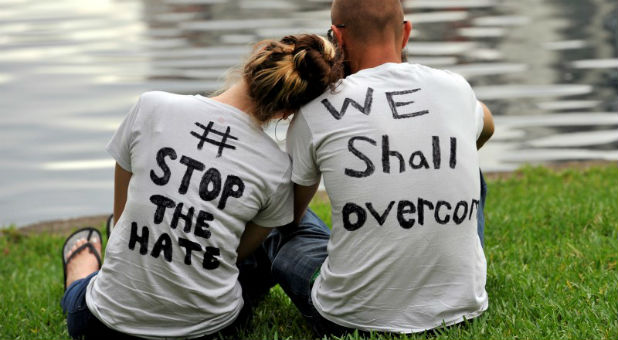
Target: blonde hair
284	75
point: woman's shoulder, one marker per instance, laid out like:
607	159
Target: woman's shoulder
157	98
160	105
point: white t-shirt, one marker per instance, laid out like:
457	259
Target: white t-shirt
201	171
396	146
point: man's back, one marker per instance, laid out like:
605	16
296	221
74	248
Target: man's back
396	146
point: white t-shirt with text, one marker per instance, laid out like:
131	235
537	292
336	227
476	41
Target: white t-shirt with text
200	171
396	147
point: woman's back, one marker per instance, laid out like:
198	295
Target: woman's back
201	171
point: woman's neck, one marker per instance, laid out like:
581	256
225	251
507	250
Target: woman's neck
237	96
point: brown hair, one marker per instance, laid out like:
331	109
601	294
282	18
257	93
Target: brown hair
284	75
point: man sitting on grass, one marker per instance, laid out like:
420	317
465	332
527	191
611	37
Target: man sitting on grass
396	144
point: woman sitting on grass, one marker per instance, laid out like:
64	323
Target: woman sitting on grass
198	186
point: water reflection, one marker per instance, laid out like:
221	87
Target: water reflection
577	139
79	165
596	63
530	91
70	71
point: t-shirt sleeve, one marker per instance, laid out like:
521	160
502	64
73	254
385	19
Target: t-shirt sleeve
479	117
299	143
119	147
279	208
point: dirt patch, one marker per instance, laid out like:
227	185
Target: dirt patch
63	227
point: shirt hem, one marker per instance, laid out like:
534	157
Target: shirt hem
97	315
340	322
304	182
278	223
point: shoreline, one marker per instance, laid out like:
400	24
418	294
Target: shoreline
65	226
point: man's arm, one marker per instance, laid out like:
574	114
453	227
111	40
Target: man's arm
302	197
121	186
488	127
251	238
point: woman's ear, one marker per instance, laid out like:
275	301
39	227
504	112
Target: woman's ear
287	114
284	114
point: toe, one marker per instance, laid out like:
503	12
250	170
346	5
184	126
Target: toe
74	248
96	242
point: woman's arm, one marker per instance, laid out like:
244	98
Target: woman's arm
254	234
121	186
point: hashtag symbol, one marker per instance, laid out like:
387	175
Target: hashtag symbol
220	144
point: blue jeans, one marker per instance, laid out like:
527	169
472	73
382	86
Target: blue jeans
298	253
80	321
480	214
82	324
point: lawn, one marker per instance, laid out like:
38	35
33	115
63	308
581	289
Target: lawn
551	241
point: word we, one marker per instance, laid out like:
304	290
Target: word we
366	107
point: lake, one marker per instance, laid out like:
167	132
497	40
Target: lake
71	69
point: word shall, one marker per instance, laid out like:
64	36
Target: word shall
355	216
417	159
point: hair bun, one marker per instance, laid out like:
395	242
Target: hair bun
314	59
285	75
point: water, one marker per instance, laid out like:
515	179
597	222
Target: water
70	70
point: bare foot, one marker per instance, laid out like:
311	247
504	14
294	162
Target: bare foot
83	263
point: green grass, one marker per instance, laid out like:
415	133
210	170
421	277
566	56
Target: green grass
551	246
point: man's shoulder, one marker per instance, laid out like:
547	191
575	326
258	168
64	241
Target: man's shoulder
446	75
437	73
357	91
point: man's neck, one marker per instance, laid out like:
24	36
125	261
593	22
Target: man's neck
369	57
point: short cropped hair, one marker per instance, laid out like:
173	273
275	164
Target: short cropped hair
368	20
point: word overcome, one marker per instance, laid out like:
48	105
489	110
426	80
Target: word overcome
408	213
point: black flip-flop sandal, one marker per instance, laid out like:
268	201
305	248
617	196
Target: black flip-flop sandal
82	234
109	225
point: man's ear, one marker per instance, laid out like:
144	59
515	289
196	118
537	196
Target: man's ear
338	35
407	28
